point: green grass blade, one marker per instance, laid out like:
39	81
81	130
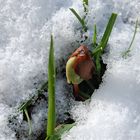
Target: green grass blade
95	36
108	30
98	64
136	26
51	91
63	128
29	121
25	105
59	130
82	22
97	52
107	33
85	5
125	54
85	1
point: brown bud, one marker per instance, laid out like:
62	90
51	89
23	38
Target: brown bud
83	66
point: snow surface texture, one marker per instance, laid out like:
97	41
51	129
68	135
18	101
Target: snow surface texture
25	26
113	112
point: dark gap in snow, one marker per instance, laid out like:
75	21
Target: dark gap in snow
87	88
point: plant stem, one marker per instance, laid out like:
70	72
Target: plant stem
51	92
125	54
98	64
85	5
81	20
29	121
95	36
97	52
136	26
85	1
107	33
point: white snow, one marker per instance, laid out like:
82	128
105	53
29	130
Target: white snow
6	133
113	112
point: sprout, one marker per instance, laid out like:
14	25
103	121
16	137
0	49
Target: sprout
80	66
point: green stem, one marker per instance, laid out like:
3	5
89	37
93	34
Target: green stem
85	4
106	35
51	92
126	53
29	121
136	26
95	36
81	20
98	64
97	50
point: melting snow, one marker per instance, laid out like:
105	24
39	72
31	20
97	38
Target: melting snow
113	112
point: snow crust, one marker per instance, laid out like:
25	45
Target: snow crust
113	112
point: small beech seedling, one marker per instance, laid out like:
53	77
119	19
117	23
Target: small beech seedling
79	67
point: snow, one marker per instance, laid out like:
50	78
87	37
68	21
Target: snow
113	112
5	133
25	26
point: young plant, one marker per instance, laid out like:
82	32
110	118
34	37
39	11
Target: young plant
52	132
85	5
98	51
94	39
51	120
80	19
85	2
29	121
59	130
79	67
125	54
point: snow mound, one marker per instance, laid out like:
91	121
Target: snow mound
6	133
25	27
113	112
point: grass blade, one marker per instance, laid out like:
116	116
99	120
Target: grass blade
59	130
63	128
136	26
95	36
51	91
29	121
97	52
85	5
98	64
85	1
81	20
125	54
108	30
78	17
106	34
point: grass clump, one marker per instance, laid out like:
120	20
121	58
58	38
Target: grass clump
98	49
